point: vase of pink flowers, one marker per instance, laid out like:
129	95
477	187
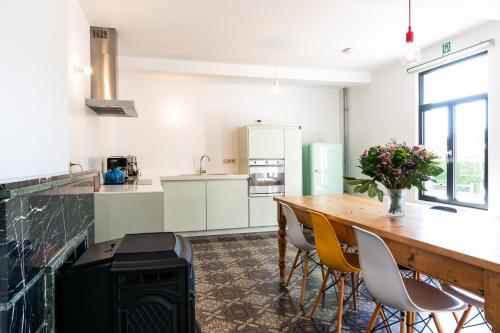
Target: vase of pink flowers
398	167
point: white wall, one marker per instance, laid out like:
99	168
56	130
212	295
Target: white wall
33	87
388	107
181	118
44	123
85	126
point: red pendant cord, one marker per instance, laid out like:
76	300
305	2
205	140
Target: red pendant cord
409	34
409	13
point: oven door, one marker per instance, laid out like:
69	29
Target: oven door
266	180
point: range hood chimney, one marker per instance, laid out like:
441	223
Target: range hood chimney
103	53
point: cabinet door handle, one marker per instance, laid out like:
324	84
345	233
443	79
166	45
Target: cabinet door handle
322	171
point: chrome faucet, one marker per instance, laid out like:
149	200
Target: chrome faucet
202	171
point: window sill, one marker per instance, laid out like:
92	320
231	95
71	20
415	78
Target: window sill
457	207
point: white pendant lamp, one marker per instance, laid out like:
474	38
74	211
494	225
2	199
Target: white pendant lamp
411	53
276	87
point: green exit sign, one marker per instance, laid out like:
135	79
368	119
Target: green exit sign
446	48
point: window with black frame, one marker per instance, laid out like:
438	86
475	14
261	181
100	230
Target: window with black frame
453	118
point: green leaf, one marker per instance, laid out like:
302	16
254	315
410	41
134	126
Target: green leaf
355	182
421	186
380	195
363	188
357	189
372	190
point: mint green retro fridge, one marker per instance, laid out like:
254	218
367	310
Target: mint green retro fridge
322	167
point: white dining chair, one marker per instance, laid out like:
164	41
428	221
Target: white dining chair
389	288
472	301
305	250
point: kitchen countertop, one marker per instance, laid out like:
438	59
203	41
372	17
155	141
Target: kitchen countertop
153	187
207	176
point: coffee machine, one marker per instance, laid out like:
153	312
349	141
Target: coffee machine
132	169
126	164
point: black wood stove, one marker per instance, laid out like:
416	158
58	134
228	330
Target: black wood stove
140	283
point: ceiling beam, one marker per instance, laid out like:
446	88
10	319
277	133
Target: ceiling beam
295	75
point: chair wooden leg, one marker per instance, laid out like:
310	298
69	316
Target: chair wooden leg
402	323
294	265
439	327
462	320
320	292
353	290
358	279
373	319
340	305
386	324
305	270
410	319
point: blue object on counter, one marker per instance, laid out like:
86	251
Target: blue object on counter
114	177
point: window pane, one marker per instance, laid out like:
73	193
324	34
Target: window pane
463	79
470	127
436	140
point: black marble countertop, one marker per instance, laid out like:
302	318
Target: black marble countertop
10	188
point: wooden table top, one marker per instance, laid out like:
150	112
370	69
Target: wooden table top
470	237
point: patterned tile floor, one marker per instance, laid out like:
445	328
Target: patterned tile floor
238	290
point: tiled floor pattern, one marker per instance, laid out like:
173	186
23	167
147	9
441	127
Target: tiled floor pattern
238	290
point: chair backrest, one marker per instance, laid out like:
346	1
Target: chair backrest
327	244
295	232
380	272
445	209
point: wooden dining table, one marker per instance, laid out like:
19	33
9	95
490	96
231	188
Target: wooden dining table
461	249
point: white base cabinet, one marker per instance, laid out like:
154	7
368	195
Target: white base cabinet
185	205
227	204
262	212
117	214
193	205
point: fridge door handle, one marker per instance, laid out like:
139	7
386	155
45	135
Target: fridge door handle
322	170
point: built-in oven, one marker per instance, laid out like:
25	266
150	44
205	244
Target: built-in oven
267	177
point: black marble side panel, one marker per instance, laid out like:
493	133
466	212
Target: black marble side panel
26	315
36	222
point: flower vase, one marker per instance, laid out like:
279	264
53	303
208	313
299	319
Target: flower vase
396	202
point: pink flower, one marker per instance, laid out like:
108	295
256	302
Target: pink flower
385	157
397	171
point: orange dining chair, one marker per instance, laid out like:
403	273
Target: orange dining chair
335	260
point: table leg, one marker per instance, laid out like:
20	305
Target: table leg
492	299
281	242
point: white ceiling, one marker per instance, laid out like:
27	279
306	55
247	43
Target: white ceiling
308	33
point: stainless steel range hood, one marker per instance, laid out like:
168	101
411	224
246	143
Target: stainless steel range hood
103	53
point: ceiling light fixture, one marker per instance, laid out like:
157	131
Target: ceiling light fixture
411	53
276	88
